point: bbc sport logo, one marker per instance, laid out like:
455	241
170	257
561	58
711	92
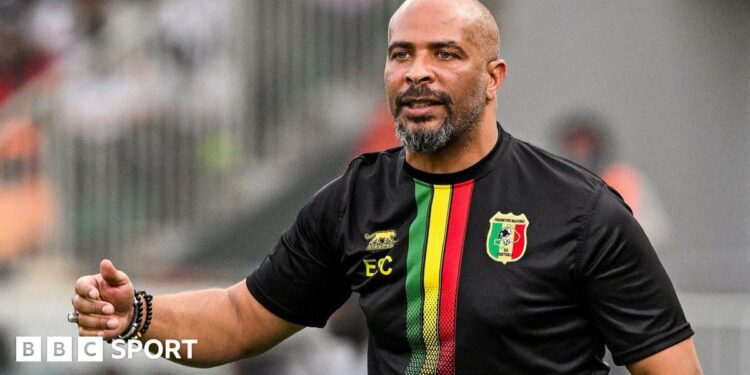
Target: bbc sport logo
91	349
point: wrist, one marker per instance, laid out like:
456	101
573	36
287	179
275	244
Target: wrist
134	322
139	317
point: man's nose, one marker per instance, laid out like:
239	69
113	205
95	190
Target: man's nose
419	72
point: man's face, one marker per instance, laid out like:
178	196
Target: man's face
435	78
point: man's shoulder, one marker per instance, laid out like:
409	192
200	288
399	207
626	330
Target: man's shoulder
551	169
567	183
375	159
376	167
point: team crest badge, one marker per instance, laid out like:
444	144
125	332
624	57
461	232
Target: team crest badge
506	239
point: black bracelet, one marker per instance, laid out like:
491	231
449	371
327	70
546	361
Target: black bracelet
149	312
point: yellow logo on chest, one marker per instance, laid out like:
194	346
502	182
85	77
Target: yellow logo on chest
378	266
381	240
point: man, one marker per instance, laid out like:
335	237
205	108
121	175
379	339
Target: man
472	252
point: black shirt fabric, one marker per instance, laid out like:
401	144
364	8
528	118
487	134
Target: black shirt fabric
524	263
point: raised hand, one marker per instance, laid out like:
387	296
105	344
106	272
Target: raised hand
104	302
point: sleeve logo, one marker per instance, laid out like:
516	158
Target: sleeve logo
506	239
381	240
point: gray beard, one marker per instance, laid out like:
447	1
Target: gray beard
426	141
453	129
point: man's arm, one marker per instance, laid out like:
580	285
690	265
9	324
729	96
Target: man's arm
229	324
677	359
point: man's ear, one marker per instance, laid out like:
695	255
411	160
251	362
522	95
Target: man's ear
496	70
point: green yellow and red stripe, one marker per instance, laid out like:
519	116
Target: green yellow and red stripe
436	239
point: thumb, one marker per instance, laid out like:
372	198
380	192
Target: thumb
111	275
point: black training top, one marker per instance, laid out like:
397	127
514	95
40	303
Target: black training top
524	263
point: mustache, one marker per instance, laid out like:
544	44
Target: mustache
414	93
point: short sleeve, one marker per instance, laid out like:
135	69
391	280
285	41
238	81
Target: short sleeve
301	281
627	291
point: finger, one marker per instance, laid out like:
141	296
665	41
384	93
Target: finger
88	306
106	333
100	323
111	275
86	287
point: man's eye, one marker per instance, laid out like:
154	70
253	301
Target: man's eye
444	55
399	55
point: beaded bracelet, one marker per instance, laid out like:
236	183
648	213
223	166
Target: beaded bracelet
149	312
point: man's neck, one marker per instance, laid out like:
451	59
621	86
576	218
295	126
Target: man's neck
461	154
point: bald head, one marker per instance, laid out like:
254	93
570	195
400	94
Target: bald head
480	26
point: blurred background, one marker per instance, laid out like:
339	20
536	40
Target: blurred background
179	138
